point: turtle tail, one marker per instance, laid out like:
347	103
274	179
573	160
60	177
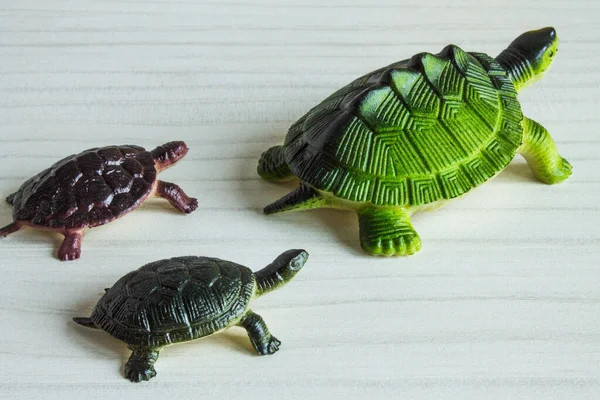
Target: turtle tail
11	199
87	322
8	229
272	166
280	271
303	198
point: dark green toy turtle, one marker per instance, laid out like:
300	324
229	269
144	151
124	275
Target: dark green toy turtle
415	134
185	298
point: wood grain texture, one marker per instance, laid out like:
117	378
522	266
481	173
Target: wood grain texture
502	302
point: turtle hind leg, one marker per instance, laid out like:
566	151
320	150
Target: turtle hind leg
8	229
387	232
140	366
263	342
272	166
87	322
541	154
303	198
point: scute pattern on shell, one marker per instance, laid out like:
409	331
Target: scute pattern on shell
175	300
86	189
417	131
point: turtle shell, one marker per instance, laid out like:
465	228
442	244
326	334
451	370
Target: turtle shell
175	300
417	131
86	189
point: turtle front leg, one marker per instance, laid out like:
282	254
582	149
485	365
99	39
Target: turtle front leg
263	342
70	249
140	366
541	154
176	196
387	231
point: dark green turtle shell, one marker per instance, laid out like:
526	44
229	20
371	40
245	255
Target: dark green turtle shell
417	131
175	300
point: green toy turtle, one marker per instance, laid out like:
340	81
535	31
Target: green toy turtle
186	298
415	134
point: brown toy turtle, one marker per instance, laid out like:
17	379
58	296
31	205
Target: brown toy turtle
93	188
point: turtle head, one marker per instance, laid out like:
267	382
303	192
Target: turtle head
538	47
168	154
283	269
529	56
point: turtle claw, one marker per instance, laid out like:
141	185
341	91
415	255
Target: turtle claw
269	347
404	245
562	172
137	373
191	206
69	255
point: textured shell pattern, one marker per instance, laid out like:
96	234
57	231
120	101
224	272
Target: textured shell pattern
175	300
420	130
86	189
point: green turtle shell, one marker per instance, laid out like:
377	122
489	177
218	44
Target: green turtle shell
420	130
175	300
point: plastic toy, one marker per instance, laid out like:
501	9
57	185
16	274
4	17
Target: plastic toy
93	188
415	134
186	298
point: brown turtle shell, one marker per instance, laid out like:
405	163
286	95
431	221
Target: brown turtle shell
86	189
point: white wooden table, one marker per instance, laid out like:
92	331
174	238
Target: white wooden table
502	302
